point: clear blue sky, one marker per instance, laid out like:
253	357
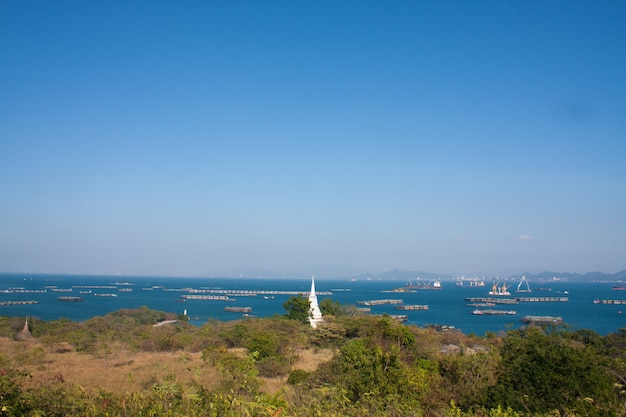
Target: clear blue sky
197	137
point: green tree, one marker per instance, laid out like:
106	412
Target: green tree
542	373
298	308
328	307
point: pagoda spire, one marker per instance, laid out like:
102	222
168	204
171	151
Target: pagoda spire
315	316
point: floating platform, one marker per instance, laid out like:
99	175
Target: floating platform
612	302
206	297
234	309
95	286
516	300
379	302
411	307
250	293
543	299
70	299
542	320
481	305
494	312
492	300
17	303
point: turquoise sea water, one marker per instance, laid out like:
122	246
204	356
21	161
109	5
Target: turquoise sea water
447	306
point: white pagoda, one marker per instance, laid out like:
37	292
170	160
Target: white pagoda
315	316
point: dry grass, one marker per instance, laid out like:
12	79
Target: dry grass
118	371
123	371
310	359
306	359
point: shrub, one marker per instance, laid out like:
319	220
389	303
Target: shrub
273	366
297	376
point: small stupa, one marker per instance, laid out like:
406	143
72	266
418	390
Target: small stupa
25	334
315	316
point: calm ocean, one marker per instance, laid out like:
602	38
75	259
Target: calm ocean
447	306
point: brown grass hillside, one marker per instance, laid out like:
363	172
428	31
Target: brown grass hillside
121	371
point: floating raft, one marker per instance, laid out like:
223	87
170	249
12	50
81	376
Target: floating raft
542	299
250	293
17	303
94	286
492	300
206	297
542	320
379	302
71	299
515	300
411	307
234	309
494	312
613	302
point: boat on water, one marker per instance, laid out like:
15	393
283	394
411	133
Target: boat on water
422	285
619	287
523	285
499	290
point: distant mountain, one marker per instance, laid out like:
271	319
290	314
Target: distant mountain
258	273
589	276
404	275
299	272
305	272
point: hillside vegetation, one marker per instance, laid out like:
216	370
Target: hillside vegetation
123	365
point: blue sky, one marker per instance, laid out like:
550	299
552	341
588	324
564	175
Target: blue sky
198	137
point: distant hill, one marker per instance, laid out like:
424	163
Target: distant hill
574	276
404	275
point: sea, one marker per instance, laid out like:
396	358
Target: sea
38	296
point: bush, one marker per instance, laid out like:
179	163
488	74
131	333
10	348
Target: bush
272	367
297	376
